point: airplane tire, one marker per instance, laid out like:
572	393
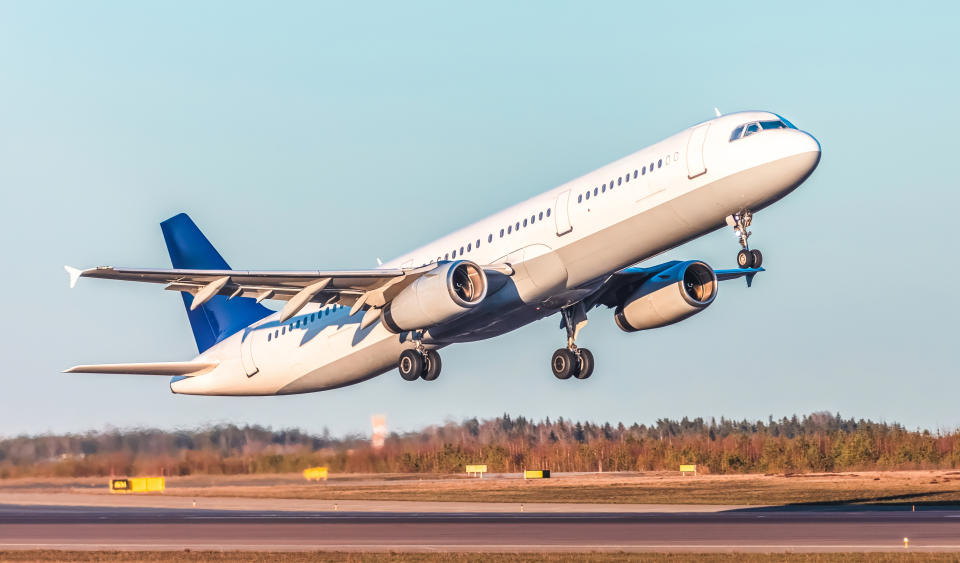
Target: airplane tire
564	363
431	365
585	364
745	259
410	365
757	258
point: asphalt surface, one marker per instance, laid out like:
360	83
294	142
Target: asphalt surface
807	529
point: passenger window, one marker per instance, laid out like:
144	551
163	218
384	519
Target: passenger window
469	247
501	233
461	251
490	237
524	222
580	198
478	244
596	191
588	195
509	229
276	333
283	330
604	190
627	177
618	181
517	226
660	163
446	256
269	337
454	253
643	171
548	212
533	219
634	174
541	215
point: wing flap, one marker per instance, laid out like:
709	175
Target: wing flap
188	369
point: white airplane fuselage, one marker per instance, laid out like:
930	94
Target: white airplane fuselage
561	245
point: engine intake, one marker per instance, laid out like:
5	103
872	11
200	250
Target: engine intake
668	297
439	296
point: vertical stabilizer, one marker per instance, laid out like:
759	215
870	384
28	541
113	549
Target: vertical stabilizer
219	317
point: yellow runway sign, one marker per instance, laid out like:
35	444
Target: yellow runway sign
315	474
138	485
536	474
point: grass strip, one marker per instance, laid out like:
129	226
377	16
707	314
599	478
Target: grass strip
453	557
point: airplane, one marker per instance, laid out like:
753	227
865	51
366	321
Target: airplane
567	251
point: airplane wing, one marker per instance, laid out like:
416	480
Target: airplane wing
612	291
354	288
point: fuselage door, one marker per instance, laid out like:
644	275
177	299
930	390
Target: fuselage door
246	354
562	214
695	164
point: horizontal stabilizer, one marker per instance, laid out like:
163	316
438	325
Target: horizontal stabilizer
188	369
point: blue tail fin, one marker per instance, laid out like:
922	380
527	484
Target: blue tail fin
219	317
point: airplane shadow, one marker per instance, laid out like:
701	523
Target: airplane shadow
868	503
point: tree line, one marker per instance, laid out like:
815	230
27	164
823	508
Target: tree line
819	442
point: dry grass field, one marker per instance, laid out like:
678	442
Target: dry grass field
872	487
340	557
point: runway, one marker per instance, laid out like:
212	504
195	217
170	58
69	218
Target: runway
765	530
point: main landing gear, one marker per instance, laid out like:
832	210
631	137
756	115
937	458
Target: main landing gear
419	363
572	361
747	257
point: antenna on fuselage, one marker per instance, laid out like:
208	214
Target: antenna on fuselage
716	110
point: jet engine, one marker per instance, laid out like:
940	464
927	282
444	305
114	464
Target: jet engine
439	296
668	297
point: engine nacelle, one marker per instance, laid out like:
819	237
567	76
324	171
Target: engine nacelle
668	297
439	296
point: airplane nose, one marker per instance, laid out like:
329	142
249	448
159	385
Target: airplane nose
804	147
811	142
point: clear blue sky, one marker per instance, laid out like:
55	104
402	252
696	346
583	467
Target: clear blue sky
300	135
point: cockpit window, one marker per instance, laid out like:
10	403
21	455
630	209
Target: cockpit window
786	122
750	128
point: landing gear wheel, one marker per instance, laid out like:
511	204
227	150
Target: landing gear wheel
757	258
745	258
564	363
431	365
410	365
585	364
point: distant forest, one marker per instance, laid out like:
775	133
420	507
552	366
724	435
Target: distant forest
815	443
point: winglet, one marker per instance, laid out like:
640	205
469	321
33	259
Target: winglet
74	274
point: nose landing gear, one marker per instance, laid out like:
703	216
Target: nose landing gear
572	361
747	257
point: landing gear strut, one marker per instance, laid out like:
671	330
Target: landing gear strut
747	257
419	363
572	361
